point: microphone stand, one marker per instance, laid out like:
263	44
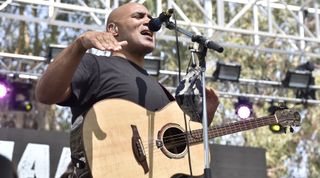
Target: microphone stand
203	46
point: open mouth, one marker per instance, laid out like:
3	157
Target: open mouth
146	32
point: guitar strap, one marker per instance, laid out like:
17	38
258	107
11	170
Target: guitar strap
78	156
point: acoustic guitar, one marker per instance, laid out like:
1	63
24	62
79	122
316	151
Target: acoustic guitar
123	139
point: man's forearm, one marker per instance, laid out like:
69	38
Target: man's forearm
54	85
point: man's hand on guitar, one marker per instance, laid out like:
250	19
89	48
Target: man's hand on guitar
212	104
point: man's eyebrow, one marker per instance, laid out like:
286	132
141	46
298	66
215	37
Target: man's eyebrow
142	13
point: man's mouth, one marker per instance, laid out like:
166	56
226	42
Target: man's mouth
146	32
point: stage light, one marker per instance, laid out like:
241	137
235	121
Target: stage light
152	65
243	108
20	97
228	72
276	128
4	88
22	106
54	50
297	79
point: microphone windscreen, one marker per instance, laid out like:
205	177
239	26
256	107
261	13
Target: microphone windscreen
154	25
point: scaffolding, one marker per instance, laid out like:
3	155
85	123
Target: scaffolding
302	41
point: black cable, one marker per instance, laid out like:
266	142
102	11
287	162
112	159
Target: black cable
179	78
177	46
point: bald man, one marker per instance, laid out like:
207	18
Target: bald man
78	79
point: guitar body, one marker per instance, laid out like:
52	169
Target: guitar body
123	139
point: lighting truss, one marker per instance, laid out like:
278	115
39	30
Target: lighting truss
263	84
304	42
22	66
214	27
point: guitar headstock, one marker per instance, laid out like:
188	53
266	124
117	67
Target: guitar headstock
288	117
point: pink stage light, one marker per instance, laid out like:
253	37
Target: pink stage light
3	90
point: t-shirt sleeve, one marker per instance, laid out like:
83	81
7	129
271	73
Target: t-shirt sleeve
84	82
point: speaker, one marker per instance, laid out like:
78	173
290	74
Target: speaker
237	162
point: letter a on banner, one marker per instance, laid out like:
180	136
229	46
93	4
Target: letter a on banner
35	161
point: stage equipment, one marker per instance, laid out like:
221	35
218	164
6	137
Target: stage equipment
20	97
204	45
276	128
152	65
243	108
227	72
156	23
54	49
297	79
5	88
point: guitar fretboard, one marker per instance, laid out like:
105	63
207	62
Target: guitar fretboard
195	136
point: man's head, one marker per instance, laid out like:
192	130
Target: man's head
129	22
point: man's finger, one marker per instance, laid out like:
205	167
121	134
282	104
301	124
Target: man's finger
123	43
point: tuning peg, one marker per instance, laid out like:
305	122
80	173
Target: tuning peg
291	130
282	106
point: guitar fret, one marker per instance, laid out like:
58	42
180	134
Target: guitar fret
195	136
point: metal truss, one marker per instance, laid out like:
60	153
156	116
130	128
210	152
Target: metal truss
22	66
231	89
299	33
300	36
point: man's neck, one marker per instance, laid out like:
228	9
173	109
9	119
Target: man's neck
139	60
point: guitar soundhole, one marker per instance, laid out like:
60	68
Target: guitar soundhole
174	140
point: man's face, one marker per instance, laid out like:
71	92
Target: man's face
133	27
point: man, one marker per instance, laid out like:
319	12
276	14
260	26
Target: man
79	80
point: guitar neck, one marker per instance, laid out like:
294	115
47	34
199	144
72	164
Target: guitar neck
195	136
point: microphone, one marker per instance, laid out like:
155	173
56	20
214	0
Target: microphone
155	23
207	43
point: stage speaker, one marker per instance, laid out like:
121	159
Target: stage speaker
237	162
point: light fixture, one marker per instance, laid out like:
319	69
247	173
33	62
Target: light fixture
152	65
276	128
297	79
243	108
20	97
227	71
4	88
54	50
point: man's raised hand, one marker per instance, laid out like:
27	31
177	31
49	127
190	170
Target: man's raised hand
104	41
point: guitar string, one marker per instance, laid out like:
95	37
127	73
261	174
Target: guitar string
233	127
221	130
156	150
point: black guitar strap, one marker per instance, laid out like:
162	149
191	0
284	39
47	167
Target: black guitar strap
78	156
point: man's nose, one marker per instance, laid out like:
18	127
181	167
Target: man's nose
146	21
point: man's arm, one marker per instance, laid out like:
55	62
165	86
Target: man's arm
55	84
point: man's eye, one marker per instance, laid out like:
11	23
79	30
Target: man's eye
138	15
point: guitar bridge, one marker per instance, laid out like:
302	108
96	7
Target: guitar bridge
138	149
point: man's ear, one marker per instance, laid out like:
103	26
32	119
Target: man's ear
112	27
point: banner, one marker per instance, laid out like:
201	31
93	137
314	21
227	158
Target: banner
41	154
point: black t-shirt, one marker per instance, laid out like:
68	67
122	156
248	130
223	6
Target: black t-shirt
100	77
